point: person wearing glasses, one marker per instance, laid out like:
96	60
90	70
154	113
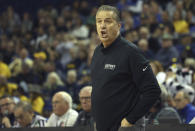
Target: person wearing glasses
85	118
7	106
63	115
26	117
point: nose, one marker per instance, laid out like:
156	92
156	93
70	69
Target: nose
103	25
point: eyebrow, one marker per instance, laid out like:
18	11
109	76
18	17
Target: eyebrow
105	18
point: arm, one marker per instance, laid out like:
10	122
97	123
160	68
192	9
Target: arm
146	83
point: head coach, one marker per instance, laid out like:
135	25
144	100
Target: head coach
124	86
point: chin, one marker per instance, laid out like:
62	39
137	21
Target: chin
104	39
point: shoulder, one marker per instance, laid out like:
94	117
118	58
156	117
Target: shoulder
52	116
82	112
128	46
73	112
192	108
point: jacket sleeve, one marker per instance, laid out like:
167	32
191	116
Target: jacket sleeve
146	83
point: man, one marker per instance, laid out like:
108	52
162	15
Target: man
25	116
7	107
123	83
143	45
168	54
85	118
185	108
63	115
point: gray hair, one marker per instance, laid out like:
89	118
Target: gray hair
26	106
66	96
86	88
110	8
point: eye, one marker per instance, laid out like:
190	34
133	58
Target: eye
108	21
99	21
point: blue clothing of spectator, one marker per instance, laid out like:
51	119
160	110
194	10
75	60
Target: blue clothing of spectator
187	48
166	56
187	113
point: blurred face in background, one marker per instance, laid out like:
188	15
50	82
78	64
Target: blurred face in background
143	44
71	76
23	117
85	99
180	101
144	32
60	106
7	106
23	53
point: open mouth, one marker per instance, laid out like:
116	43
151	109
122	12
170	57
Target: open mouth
104	34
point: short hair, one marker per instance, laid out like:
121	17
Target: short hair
26	106
66	96
86	88
110	8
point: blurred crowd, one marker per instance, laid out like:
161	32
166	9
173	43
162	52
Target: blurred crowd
51	53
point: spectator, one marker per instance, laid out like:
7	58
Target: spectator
36	99
186	48
168	54
162	110
85	118
144	33
143	45
72	85
27	23
6	88
7	105
63	115
52	85
27	75
9	51
158	71
25	116
181	26
4	69
185	108
80	30
16	65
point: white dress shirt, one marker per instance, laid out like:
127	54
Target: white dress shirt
68	119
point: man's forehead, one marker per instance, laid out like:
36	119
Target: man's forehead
85	93
57	97
105	14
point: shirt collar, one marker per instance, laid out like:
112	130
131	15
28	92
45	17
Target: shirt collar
113	44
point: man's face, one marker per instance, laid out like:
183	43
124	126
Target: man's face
85	99
180	101
60	106
24	118
7	106
107	26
